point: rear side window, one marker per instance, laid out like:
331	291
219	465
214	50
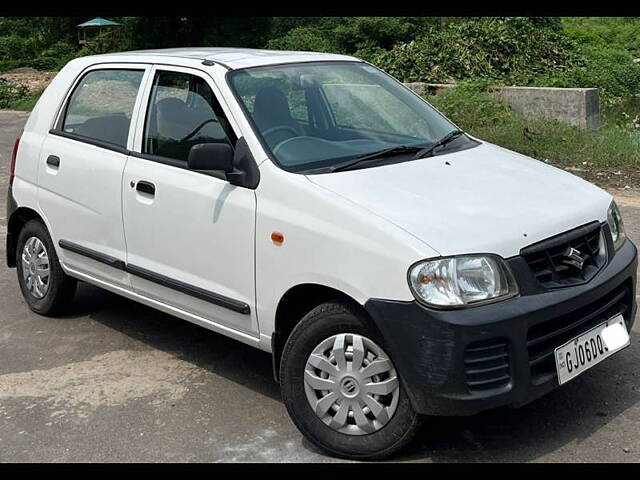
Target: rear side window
101	106
182	112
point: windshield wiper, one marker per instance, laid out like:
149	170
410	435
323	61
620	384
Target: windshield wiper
428	151
387	152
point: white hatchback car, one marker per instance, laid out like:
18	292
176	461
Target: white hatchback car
312	206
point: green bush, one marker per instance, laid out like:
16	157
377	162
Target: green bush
506	50
305	39
612	70
610	32
10	93
13	47
469	106
55	56
360	36
19	52
33	51
6	65
27	102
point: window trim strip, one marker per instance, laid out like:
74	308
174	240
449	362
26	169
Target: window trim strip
91	141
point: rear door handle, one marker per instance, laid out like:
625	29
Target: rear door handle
53	161
146	187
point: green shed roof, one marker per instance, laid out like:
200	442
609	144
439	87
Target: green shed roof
99	22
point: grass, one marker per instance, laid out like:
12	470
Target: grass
563	145
615	145
25	103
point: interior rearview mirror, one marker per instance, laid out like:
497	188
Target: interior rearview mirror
211	156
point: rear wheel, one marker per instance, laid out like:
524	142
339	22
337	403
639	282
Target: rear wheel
45	287
342	389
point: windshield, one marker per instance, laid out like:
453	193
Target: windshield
318	115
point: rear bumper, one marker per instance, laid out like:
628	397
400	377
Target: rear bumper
10	239
465	361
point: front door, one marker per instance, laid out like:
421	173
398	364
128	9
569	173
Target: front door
189	234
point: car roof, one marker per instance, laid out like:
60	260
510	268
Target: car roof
234	58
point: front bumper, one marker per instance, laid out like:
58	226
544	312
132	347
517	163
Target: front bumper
460	362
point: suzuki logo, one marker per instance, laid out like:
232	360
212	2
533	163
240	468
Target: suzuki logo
573	257
350	386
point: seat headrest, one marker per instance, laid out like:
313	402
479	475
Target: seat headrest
271	108
173	109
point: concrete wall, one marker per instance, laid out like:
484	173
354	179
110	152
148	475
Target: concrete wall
576	106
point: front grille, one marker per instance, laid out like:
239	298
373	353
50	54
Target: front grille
544	338
550	265
486	365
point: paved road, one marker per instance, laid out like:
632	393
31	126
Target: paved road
117	381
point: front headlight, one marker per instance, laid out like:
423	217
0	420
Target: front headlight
460	281
614	219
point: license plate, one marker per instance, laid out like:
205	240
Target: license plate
590	348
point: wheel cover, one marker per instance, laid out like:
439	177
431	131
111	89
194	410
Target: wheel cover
35	267
351	384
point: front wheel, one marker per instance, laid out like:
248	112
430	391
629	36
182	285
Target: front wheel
341	388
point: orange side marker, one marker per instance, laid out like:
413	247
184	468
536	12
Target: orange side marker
277	238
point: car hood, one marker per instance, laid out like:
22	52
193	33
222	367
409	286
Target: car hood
481	200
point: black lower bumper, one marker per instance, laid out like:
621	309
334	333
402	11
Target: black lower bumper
11	239
459	362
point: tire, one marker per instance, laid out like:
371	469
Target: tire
319	328
55	291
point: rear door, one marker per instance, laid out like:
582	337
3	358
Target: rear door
189	234
81	167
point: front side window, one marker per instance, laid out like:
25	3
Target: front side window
315	116
182	112
101	106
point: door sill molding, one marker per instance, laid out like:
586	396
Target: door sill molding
191	290
257	340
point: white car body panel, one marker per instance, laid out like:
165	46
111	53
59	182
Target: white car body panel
481	200
327	242
234	57
355	231
198	230
82	202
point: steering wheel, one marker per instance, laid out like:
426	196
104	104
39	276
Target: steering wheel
272	130
197	129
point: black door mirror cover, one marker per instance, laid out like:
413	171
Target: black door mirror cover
211	156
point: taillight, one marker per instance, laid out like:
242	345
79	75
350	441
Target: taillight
12	171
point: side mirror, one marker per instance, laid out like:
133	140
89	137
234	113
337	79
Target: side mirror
245	172
211	156
239	166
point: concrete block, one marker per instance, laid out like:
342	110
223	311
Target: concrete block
579	107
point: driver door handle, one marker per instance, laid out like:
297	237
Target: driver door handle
53	161
146	187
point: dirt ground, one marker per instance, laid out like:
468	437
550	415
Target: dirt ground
615	180
33	79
